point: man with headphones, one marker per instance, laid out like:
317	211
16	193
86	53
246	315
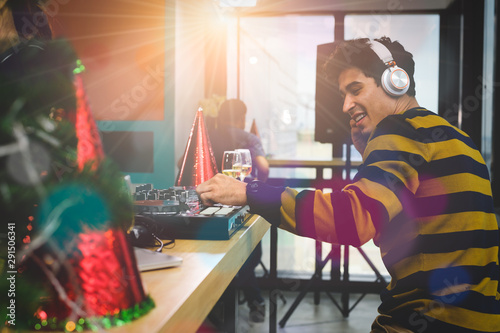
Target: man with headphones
423	195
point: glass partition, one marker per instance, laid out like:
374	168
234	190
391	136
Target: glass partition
278	81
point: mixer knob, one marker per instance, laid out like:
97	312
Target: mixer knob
152	196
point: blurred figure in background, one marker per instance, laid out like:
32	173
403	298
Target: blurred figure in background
230	135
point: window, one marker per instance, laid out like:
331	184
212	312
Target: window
278	78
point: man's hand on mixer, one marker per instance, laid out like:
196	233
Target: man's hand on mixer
222	189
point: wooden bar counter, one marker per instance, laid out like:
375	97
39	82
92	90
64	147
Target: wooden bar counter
334	162
185	295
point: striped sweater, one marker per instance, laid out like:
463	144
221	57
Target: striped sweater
424	195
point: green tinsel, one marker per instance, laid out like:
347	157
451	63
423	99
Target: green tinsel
34	86
95	323
80	68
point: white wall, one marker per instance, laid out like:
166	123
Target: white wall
189	70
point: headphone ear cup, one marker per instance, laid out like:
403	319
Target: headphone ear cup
395	81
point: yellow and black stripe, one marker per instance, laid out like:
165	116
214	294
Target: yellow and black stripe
424	195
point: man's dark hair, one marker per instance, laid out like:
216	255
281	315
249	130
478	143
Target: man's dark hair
232	111
358	53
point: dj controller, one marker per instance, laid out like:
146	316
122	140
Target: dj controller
177	213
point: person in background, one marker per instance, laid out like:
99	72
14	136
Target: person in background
230	135
30	59
423	194
22	20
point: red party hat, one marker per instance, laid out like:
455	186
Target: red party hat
253	128
89	147
198	163
98	286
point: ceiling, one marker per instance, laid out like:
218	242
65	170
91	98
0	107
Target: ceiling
380	6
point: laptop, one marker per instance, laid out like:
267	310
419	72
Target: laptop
148	260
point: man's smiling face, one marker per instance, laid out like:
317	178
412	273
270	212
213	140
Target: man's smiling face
365	102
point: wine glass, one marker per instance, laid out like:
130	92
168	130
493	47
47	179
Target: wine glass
246	163
231	164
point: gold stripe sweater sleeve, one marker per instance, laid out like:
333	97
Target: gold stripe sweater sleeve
424	195
360	210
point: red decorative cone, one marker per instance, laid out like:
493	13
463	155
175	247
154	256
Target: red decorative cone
89	147
253	129
98	286
198	163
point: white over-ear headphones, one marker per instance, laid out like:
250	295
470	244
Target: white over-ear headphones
395	81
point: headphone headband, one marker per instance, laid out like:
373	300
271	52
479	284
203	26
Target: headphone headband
382	52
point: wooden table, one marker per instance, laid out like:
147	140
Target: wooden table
334	162
185	295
